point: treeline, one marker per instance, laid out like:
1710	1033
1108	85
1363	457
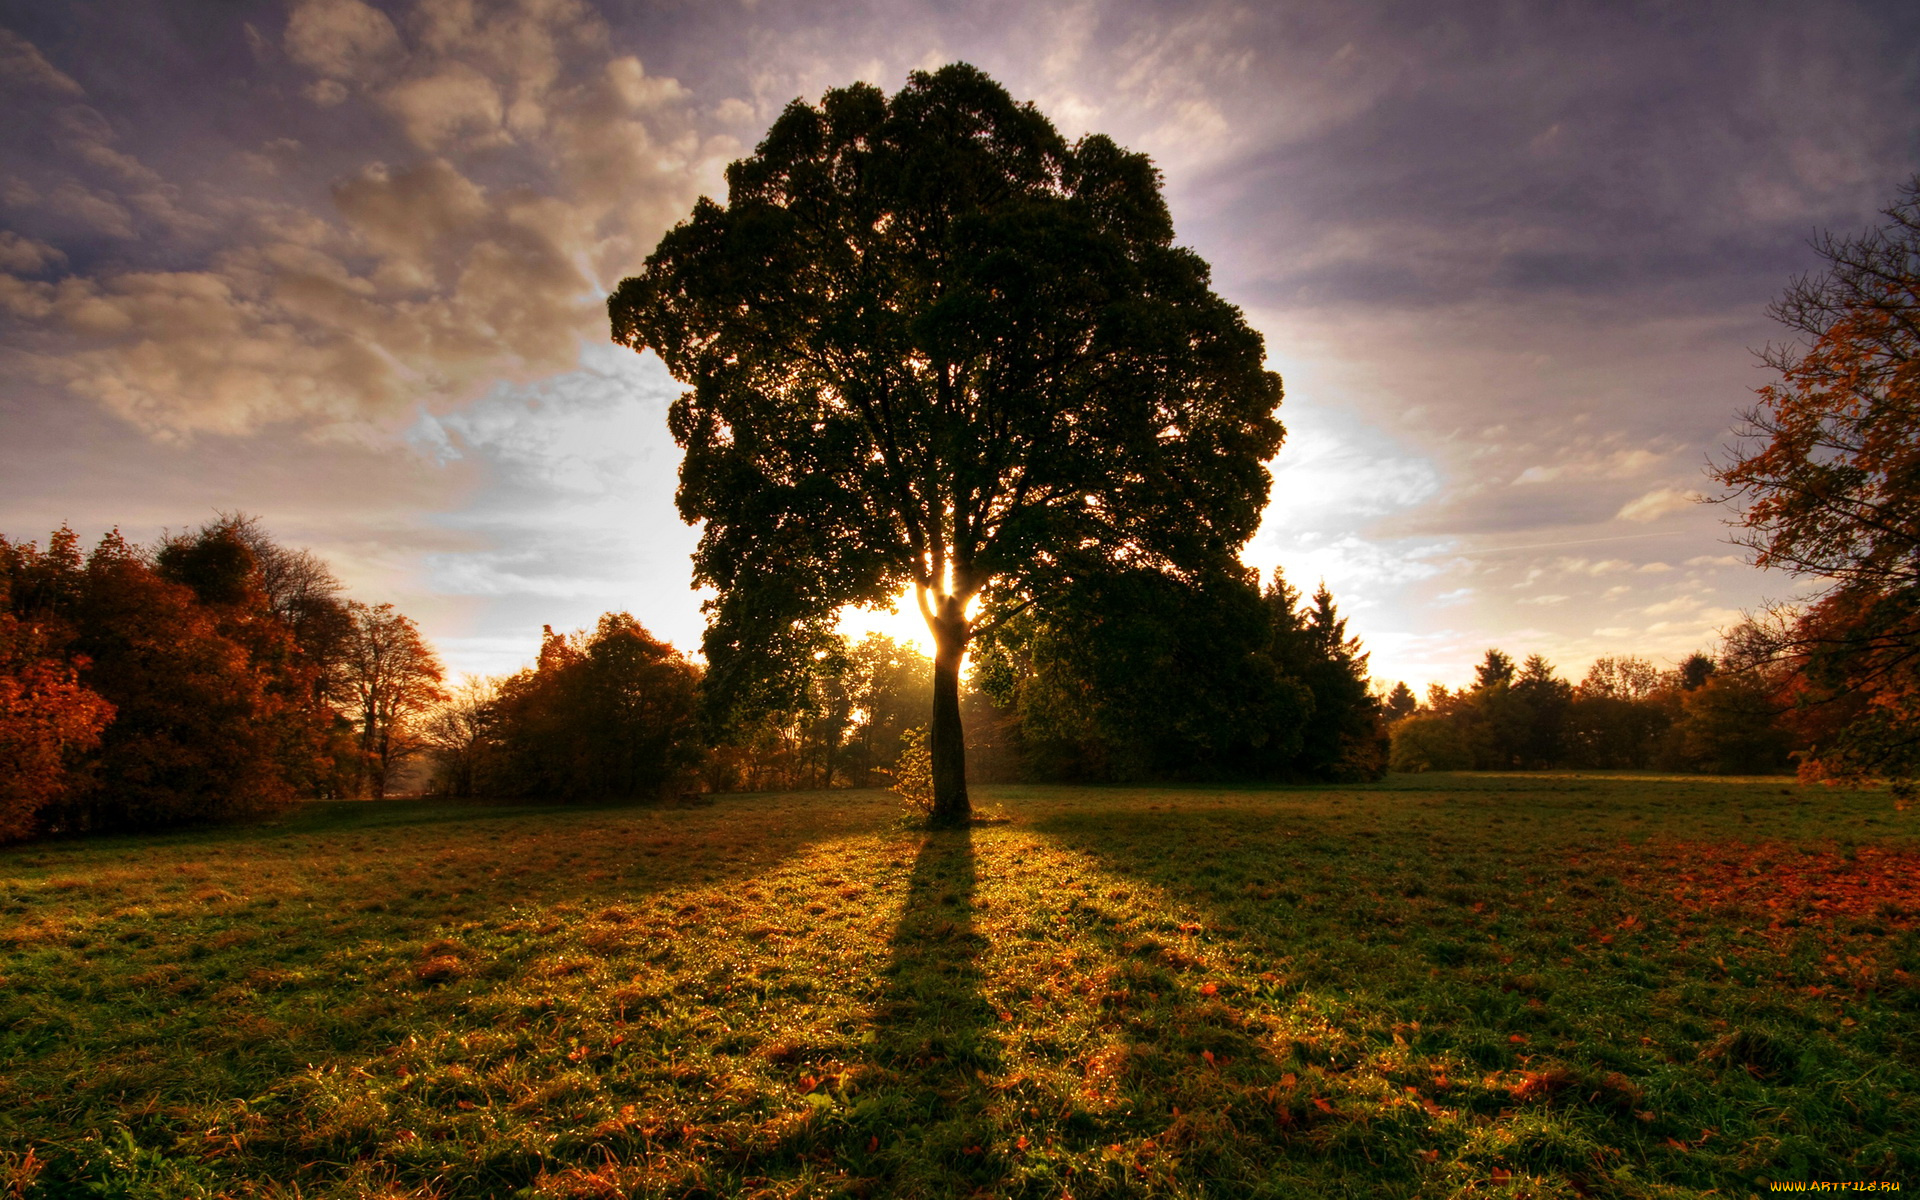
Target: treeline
1143	677
1729	715
614	712
217	674
213	674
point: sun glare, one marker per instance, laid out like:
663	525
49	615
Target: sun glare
904	624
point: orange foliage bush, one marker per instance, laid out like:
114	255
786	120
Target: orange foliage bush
47	718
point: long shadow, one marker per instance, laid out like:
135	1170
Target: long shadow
934	1049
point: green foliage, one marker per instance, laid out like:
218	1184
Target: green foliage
855	702
1730	726
1624	714
1143	675
1428	743
1341	737
929	343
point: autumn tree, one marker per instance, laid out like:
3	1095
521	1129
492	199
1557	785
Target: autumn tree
48	718
931	345
1827	480
209	722
302	593
609	713
389	678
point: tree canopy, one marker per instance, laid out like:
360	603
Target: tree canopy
1828	480
931	344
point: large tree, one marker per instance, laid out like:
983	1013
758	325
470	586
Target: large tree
1829	482
931	344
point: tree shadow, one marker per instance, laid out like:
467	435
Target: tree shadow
934	1051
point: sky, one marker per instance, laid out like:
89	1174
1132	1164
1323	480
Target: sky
342	265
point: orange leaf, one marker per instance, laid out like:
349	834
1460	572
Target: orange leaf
1322	1105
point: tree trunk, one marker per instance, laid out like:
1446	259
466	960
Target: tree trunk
947	741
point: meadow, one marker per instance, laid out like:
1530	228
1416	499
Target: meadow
1443	985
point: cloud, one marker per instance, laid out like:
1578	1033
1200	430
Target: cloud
454	104
25	256
547	166
340	39
1583	465
99	210
1659	503
1679	604
22	65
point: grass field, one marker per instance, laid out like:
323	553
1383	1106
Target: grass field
1440	986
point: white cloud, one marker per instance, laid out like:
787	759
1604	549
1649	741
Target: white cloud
455	104
1658	503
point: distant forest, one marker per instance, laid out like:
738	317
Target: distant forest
217	674
1720	716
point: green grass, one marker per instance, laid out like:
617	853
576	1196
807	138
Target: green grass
1543	985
